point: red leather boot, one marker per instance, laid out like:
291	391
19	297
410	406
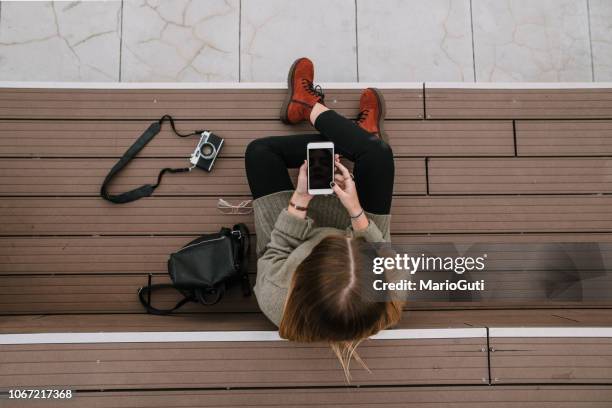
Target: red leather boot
372	112
302	95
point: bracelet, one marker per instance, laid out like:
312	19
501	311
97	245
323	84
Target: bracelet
357	216
297	207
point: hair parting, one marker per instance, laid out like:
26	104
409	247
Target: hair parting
326	301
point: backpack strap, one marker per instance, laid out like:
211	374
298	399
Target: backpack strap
146	291
147	189
244	238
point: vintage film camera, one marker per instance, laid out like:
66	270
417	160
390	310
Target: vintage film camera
206	151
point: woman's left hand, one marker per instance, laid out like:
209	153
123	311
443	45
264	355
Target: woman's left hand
302	182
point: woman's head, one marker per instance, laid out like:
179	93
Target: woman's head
329	299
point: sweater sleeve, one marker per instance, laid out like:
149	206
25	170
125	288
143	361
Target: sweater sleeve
371	234
288	233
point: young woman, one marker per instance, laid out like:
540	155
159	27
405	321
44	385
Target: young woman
311	249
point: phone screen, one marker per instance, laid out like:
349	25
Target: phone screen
320	168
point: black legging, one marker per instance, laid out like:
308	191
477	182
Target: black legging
267	160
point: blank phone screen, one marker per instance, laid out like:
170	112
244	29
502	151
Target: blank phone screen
320	168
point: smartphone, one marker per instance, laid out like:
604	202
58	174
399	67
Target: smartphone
320	157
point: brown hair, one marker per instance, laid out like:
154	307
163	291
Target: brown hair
328	299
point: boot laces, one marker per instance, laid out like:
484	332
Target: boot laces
312	89
362	115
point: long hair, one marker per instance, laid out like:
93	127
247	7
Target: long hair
328	300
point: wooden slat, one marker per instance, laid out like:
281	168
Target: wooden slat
413	319
590	396
240	364
551	360
184	103
81	293
502	214
140	322
92	255
432	138
101	294
83	177
83	215
101	138
564	137
520	176
518	103
143	254
172	215
60	138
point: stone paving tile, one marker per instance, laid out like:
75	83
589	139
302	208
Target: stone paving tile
180	40
276	32
61	41
526	40
601	38
415	40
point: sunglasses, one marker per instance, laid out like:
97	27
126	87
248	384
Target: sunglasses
242	208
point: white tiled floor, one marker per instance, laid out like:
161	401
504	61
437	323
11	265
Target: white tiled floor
349	40
44	41
415	40
276	32
180	41
527	40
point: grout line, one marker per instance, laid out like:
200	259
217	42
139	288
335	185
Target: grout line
414	86
588	4
239	40
424	234
432	385
488	354
427	175
514	137
424	102
121	41
473	48
459	195
356	41
395	157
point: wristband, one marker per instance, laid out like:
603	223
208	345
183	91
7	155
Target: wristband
297	207
356	216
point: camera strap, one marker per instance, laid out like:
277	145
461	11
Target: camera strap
147	189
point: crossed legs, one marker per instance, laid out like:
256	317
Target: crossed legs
267	159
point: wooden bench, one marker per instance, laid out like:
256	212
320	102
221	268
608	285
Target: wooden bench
473	165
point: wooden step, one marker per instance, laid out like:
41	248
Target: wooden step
84	177
413	319
587	396
520	176
500	103
178	215
216	364
152	104
111	138
564	356
564	137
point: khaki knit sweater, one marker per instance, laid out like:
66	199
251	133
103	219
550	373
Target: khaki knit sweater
284	240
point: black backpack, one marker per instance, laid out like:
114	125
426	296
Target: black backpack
203	269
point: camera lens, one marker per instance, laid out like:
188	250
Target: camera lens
207	150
